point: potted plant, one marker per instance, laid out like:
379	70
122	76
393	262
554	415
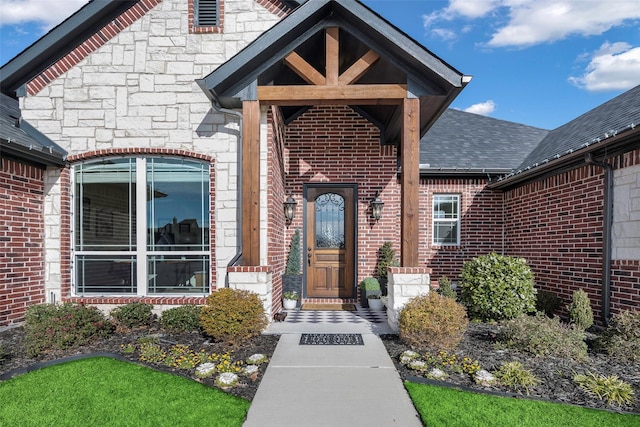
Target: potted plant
375	302
292	278
369	286
386	258
289	300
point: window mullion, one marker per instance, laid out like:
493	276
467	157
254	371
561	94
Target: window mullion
141	226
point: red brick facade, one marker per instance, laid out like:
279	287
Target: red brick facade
21	233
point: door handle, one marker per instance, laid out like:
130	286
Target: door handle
309	255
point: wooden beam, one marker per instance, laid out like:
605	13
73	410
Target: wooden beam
304	69
250	183
337	95
332	55
358	68
410	162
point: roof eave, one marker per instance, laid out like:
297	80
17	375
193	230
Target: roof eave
42	157
613	146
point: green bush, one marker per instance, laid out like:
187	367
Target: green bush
445	288
233	316
496	287
370	284
547	302
611	388
132	315
540	335
622	338
515	376
580	311
386	258
293	261
185	318
63	326
432	322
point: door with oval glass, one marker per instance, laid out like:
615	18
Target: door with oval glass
330	240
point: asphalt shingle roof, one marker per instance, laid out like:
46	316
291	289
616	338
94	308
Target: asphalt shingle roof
470	141
613	117
15	140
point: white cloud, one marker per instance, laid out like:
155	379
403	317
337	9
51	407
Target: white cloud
614	66
524	23
45	12
482	108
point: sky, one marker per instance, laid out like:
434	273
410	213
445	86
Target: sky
537	62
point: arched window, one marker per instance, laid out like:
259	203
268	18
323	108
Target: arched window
141	227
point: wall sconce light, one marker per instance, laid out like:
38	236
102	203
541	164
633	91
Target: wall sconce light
289	208
376	207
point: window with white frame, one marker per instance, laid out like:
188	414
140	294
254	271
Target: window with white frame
207	13
446	219
141	227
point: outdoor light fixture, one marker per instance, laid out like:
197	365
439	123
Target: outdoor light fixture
376	207
289	208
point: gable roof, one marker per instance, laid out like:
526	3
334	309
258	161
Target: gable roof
607	130
464	143
19	139
403	60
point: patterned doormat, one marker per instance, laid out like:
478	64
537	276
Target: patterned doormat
329	307
331	339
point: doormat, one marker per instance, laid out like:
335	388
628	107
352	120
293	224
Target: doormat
331	339
329	307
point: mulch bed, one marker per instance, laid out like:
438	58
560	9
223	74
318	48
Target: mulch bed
12	340
555	374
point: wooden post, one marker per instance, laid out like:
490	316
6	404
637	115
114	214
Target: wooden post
410	162
250	183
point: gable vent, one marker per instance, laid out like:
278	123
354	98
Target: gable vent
207	13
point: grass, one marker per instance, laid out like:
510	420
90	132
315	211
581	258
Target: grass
102	391
440	406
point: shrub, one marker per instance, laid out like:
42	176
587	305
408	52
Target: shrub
294	260
547	302
445	288
540	335
386	258
580	311
233	316
132	315
496	287
611	388
185	318
515	376
622	338
63	326
370	284
432	322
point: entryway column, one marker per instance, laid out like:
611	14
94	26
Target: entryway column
250	183
410	200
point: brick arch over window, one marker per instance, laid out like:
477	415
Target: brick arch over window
66	244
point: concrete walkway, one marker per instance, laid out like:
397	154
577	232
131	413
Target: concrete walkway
331	385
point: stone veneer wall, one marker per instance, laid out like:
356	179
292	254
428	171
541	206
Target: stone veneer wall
22	255
131	89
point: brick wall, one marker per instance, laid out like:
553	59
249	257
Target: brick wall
335	144
480	229
556	224
21	234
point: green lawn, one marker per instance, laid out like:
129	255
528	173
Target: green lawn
107	392
440	406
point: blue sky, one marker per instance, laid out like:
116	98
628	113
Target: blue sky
537	62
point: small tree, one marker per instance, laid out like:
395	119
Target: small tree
293	261
386	258
580	311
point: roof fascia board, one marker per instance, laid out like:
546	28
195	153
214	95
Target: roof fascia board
40	55
28	154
